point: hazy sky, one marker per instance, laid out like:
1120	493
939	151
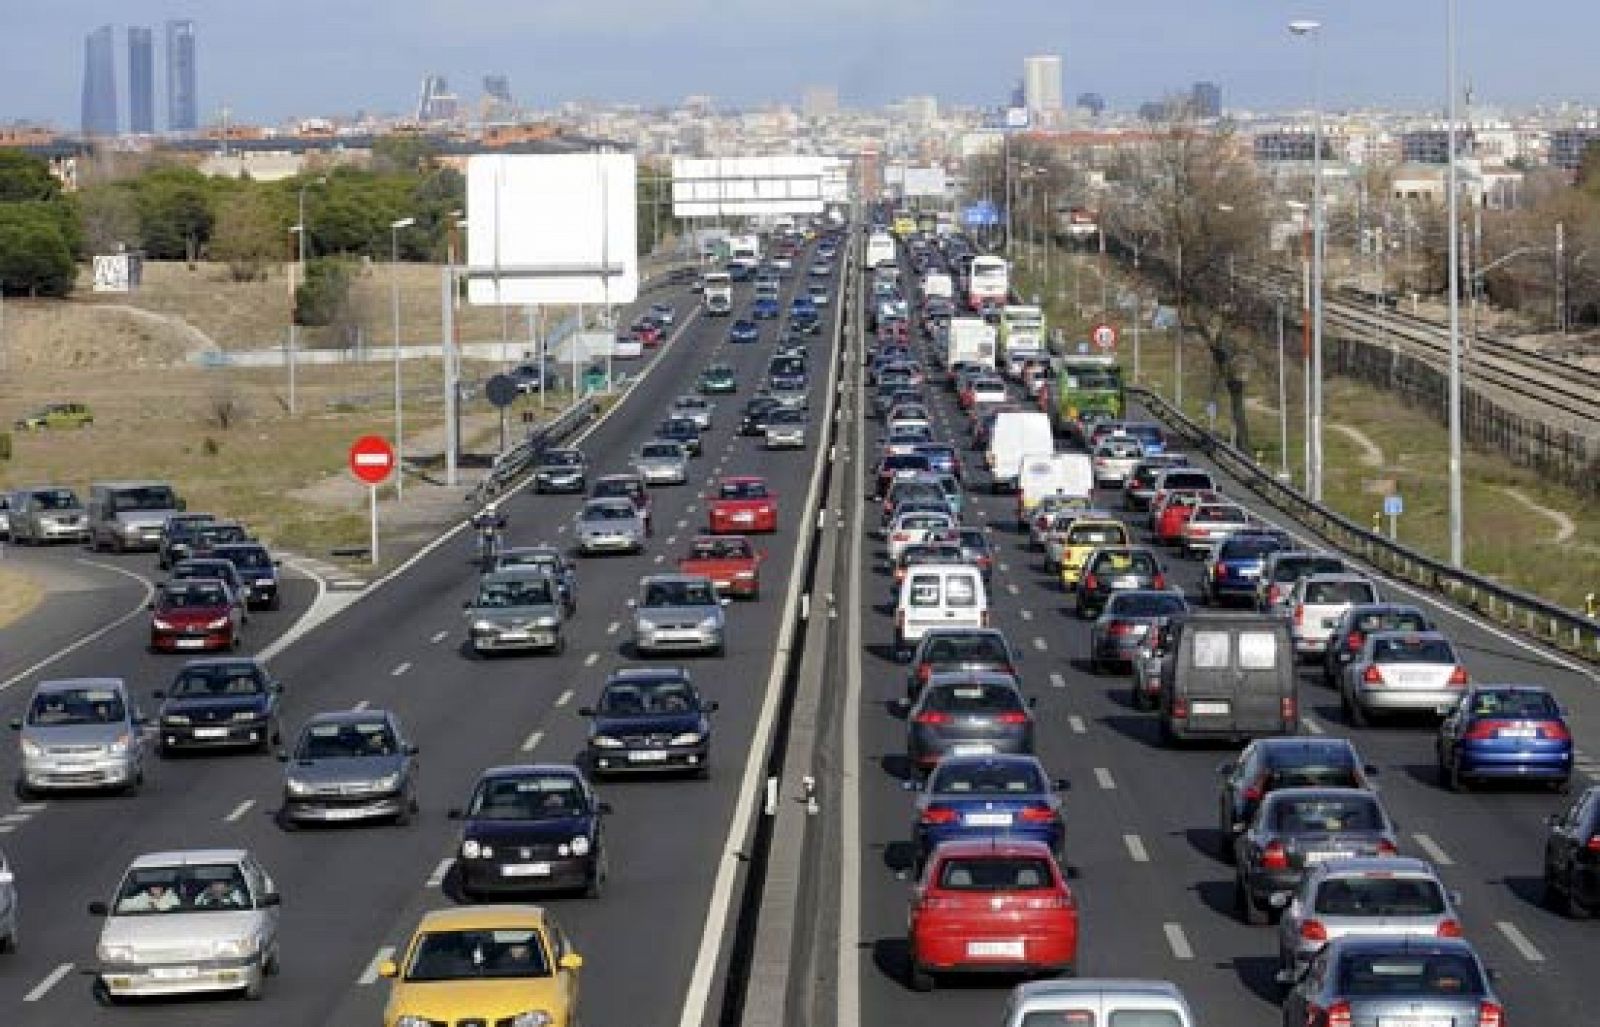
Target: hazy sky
269	59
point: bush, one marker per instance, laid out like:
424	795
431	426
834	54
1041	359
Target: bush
35	259
324	296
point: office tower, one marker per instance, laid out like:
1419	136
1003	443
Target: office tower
183	100
99	83
1206	100
498	88
436	102
1094	103
141	81
1041	83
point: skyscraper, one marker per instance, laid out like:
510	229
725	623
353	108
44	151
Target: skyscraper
99	83
1041	83
183	99
141	81
1206	100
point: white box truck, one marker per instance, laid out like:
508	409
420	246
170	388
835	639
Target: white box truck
717	293
1016	434
937	283
970	340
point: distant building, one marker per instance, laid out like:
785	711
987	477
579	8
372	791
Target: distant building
141	81
435	101
1041	84
1206	100
99	83
1432	146
498	105
1094	103
183	98
1287	146
1567	146
819	101
921	110
498	87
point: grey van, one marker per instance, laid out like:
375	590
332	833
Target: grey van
130	514
47	513
81	733
1229	676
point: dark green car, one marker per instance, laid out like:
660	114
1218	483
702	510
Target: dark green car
718	379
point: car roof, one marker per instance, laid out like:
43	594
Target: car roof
970	848
187	857
626	674
1412	944
1318	791
1285	746
224	661
498	915
1085	986
529	769
957	678
732	479
64	684
992	760
1378	866
348	716
666	577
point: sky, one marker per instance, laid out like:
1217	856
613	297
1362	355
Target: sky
272	59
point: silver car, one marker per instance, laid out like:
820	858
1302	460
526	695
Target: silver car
1423	981
1398	896
8	907
189	922
5	515
516	608
47	513
349	765
81	733
1317	601
696	408
1402	672
612	525
676	612
1114	459
662	463
786	429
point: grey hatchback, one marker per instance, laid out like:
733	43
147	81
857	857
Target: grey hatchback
350	765
968	713
1376	980
516	608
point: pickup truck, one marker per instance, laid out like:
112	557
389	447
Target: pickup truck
732	562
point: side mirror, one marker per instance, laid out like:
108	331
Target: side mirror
1371	769
571	961
585	711
271	898
276	686
1226	768
1550	819
140	720
633	604
604	809
454	814
1455	898
388	968
277	563
98	909
1062	784
710	706
150	605
282	755
7	877
911	785
1033	701
1288	978
413	750
1240	827
1445	709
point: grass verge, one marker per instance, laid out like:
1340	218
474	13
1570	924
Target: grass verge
19	594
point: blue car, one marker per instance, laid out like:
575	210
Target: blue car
764	308
969	797
802	306
1512	732
744	331
941	458
1234	567
1150	436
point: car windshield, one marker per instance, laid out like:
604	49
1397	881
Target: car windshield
1096	533
1324	593
906	462
1120	449
535	797
972	698
1516	705
1412	650
1229	514
502	595
720	549
662	452
248	558
966	649
659	594
1323	814
987	778
647	698
217	682
214	533
192	596
1392	621
561	458
1300	566
1375	974
55	499
150	497
742	490
63	707
1186	480
477	954
626	488
1161	604
1246	548
1322	770
608	512
995	873
1380	895
1135	563
347	740
198	888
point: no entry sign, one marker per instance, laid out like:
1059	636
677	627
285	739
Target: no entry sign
371	459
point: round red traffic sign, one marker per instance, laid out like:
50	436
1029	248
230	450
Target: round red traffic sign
371	459
1104	336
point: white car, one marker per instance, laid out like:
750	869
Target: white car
695	408
662	463
188	922
913	527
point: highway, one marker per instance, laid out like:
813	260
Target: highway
352	895
1155	898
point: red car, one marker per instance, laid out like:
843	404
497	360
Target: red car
742	504
647	332
1175	510
732	562
992	906
194	614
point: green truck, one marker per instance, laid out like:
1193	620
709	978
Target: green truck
1087	388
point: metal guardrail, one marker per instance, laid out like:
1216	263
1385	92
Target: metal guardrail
1520	611
516	461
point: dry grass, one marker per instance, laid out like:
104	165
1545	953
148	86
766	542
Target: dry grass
19	594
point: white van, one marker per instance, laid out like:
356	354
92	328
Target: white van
1016	434
938	595
1098	1003
1052	474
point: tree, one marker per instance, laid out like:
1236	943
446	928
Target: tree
110	219
248	235
25	177
175	213
35	259
323	298
402	154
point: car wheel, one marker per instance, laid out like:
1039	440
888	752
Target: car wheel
10	943
1354	714
272	967
1454	779
403	818
285	822
253	990
920	979
1561	786
102	993
597	881
1249	913
1136	698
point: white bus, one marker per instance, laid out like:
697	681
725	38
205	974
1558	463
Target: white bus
990	281
880	249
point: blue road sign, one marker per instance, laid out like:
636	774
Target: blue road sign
980	213
1392	506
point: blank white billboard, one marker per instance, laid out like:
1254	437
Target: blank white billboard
923	182
741	186
552	228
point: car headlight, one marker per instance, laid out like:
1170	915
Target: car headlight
687	738
474	850
545	622
388	782
711	624
121	745
745	575
116	953
161	625
532	1018
605	742
218	624
235	948
579	846
32	750
483	627
175	719
295	787
413	1021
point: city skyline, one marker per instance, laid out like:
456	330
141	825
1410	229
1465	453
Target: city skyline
612	51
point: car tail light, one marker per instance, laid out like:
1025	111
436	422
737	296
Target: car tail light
1220	571
983	619
1255	791
1312	930
1373	675
940	815
1483	730
1353	641
1274	594
1448	928
1061	900
1458	677
1299	615
1555	731
1286	708
1037	814
924	672
1387	848
1013	717
1593	844
1180	709
934	717
1490	1014
1338	1015
1090	582
1119	628
900	619
1274	857
1160	582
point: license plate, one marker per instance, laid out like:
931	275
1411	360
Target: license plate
211	732
344	814
525	870
191	643
987	819
975	749
744	517
264	583
647	756
514	636
1126	583
1330	622
1328	857
1248	573
996	949
174	973
1209	709
1517	732
1415	1021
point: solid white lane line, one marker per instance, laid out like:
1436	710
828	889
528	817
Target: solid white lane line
1177	941
54	978
1039	644
1077	725
31	807
614	627
95	635
1519	941
370	974
239	811
1103	777
1136	850
1311	725
363	704
7	828
439	636
400	669
564	698
1435	853
532	741
16	818
440	872
591	659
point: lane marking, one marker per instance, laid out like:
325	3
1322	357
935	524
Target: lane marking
560	529
1103	777
1077	725
532	741
672	540
682	524
1136	850
613	627
440	872
1312	726
1436	854
564	698
16	818
1519	941
591	659
439	636
1025	614
31	807
1177	941
239	811
93	636
7	828
1039	644
400	669
660	558
1014	590
44	986
370	974
1057	680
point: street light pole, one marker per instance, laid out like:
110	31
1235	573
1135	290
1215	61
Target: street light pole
399	394
1314	30
1456	540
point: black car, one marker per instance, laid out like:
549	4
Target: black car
177	537
257	569
753	419
1359	621
682	430
1117	569
222	703
561	470
946	650
650	719
531	827
1572	857
1295	828
208	536
1268	764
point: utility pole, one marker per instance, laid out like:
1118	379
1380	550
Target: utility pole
1283	402
1456	533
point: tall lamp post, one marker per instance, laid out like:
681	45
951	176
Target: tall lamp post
1313	29
399	395
1452	185
299	230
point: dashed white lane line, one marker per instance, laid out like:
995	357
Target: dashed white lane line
614	627
1025	614
691	508
31	807
564	698
561	529
591	659
1077	725
363	704
1014	590
1519	941
1136	850
370	974
7	828
672	540
439	636
1177	941
1039	644
1311	725
400	669
660	558
1057	680
1435	854
682	525
531	742
1004	567
43	987
440	872
1104	779
239	811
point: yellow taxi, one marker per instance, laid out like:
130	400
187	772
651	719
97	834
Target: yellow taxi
499	964
1083	538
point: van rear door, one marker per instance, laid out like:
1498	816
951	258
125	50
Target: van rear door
1236	679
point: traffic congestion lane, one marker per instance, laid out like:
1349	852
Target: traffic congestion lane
366	656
